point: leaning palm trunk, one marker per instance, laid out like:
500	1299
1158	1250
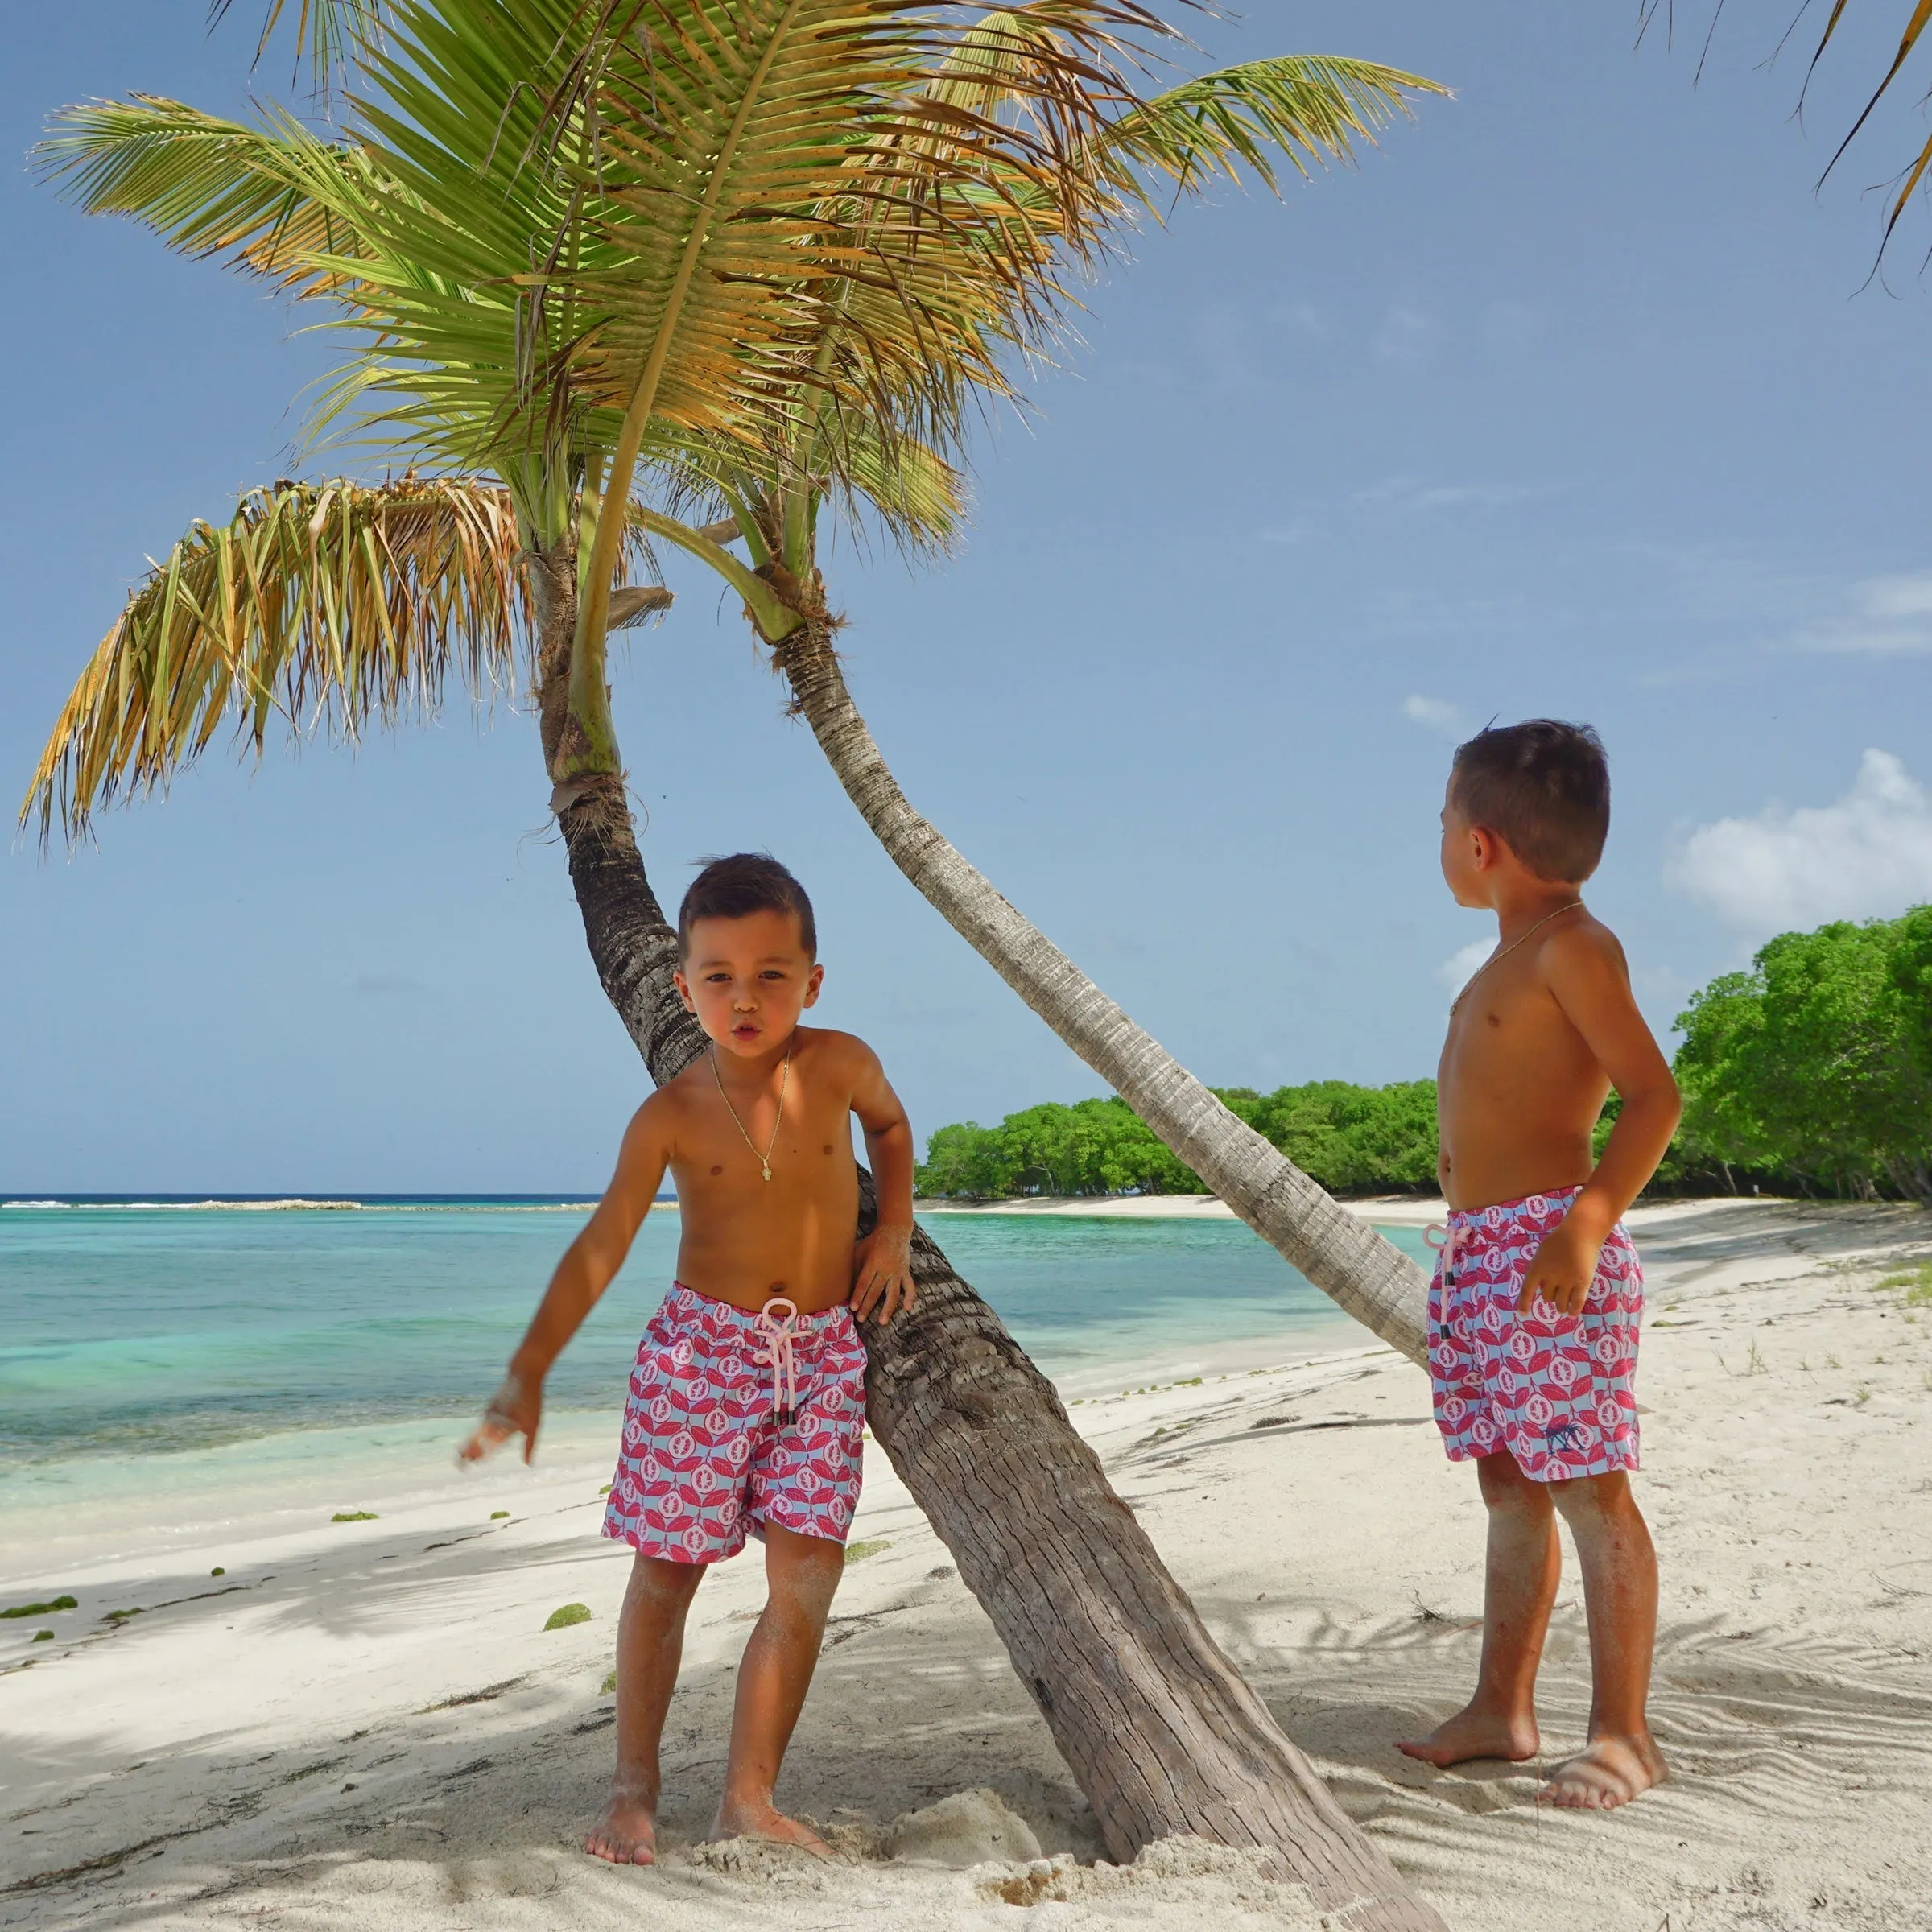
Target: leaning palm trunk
1160	1731
1369	1276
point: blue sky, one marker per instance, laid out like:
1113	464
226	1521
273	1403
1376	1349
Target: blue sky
1572	400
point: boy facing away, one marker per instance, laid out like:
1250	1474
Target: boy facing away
1533	1311
748	1400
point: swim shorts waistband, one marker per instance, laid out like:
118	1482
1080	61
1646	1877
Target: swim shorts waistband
687	1303
1503	1214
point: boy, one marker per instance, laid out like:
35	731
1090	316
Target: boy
1534	1311
748	1397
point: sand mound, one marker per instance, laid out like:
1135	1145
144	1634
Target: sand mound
1209	1881
969	1828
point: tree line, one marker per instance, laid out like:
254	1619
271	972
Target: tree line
1810	1074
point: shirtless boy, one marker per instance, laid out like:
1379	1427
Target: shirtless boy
1534	1311
748	1400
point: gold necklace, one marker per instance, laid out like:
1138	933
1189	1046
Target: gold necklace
1495	957
764	1159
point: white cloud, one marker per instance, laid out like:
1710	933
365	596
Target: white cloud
1867	855
1889	616
1404	492
1456	971
1436	714
1407	337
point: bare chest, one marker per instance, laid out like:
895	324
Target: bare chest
1506	1029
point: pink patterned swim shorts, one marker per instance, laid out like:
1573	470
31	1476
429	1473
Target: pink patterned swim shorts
735	1420
1555	1390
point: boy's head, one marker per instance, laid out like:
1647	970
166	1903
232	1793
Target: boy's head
748	951
1542	788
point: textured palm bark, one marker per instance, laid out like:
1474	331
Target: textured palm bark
1156	1725
1369	1276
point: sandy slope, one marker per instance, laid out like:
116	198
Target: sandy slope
364	1724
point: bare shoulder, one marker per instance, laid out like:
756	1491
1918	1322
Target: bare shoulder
654	1124
1582	945
834	1053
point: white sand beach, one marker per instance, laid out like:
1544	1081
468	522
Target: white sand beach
364	1724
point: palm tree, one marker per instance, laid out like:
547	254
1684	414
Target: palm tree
1307	109
756	233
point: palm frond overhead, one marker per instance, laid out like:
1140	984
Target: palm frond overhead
1915	22
1311	108
328	605
327	31
273	200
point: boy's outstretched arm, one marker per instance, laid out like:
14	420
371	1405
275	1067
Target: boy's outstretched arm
882	1263
586	1270
1585	972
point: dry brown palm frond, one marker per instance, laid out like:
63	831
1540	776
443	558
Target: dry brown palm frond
328	605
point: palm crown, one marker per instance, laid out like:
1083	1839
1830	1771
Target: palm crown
616	269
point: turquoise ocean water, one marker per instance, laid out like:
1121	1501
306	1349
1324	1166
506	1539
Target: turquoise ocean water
187	1331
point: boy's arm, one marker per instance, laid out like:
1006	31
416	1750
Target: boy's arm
1585	973
586	1270
882	1262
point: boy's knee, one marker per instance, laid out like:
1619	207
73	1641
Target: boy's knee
1597	1497
1504	1487
806	1569
661	1583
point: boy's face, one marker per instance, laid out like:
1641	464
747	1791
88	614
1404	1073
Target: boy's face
1468	855
748	980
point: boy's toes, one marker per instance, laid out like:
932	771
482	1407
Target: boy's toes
626	1834
765	1821
1609	1772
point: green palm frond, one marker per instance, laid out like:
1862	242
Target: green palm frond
275	200
328	604
1311	108
328	31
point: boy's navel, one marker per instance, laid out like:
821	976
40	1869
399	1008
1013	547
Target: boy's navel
718	1170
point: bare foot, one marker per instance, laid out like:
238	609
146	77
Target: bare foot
627	1833
1471	1734
1607	1772
759	1818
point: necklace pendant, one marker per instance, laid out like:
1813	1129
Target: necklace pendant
767	1173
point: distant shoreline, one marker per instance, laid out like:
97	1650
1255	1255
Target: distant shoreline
1391	1211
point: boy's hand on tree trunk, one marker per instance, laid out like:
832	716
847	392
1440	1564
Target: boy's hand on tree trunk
516	1409
882	1274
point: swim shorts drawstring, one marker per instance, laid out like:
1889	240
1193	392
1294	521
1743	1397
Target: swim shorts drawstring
778	1333
1441	1236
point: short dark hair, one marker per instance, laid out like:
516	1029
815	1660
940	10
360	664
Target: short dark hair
746	882
1543	786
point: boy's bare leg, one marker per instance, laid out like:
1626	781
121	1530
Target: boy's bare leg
650	1641
801	1574
1620	1592
1519	1589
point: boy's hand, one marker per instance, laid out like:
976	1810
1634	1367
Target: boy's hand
882	1274
515	1410
1562	1268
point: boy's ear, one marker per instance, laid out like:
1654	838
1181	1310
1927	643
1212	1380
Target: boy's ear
684	986
813	984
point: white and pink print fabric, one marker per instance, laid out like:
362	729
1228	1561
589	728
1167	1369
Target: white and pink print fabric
709	1453
1556	1391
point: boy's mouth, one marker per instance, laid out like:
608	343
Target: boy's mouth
744	1030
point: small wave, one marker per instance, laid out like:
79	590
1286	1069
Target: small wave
36	1203
258	1207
